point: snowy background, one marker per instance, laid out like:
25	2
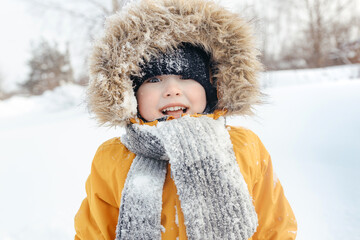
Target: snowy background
310	125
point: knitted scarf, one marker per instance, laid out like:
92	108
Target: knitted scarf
214	197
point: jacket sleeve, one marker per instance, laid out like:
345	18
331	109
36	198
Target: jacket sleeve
275	216
98	213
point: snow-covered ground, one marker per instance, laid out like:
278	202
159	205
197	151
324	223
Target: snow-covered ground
312	131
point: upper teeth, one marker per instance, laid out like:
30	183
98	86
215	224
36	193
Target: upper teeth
173	108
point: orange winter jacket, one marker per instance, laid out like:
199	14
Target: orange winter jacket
98	215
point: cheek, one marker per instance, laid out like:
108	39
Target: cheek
202	100
143	98
147	103
198	98
143	94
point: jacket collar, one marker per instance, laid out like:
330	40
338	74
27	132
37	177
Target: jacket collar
217	113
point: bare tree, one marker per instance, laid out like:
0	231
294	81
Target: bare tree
327	26
49	68
305	33
274	23
79	22
2	91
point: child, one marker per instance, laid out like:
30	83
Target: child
170	71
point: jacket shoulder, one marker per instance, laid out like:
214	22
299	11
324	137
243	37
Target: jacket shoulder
112	153
110	166
113	142
243	138
250	153
242	133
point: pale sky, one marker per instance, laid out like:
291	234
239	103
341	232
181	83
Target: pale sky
17	29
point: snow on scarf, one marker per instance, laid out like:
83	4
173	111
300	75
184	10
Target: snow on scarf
212	191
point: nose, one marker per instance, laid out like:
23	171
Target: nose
172	88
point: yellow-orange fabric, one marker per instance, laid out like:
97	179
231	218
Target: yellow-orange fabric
98	215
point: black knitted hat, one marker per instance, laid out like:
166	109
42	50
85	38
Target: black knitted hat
188	61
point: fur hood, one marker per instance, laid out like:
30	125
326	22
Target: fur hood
145	28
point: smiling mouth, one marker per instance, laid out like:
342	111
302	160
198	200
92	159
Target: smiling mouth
177	110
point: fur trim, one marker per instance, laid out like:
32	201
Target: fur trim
144	28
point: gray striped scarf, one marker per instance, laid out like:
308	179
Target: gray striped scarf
214	197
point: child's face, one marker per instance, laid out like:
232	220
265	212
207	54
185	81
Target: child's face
170	95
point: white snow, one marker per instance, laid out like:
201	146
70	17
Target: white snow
142	183
310	76
275	178
311	131
176	216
